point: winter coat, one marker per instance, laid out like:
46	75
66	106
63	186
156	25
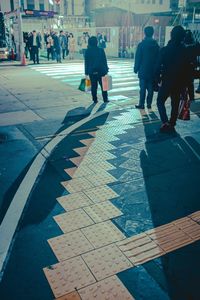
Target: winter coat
95	61
145	58
174	63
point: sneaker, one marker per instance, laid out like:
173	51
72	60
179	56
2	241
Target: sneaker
139	106
106	101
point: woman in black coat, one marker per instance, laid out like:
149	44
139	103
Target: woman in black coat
95	67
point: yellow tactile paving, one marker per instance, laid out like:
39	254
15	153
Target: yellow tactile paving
69	245
73	220
102	211
69	275
81	151
87	142
106	261
193	231
102	234
101	178
195	216
101	193
81	171
74	201
70	296
108	289
101	165
77	185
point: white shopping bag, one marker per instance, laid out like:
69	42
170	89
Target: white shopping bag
107	83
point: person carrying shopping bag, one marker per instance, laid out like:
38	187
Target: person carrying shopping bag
96	67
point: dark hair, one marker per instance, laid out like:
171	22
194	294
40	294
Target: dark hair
92	42
178	34
34	30
189	39
148	31
71	34
61	31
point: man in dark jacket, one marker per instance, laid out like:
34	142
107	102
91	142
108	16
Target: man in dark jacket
173	72
145	60
95	67
35	45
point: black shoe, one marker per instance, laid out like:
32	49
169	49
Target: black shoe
95	101
149	106
106	101
139	106
167	128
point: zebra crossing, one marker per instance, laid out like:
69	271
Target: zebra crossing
125	82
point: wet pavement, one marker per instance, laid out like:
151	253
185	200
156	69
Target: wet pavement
114	213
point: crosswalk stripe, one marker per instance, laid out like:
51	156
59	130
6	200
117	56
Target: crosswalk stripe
124	79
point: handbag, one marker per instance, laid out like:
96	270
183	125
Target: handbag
82	85
184	107
87	85
107	83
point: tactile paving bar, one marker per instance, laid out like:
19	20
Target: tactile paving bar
77	185
69	275
74	201
101	193
108	289
102	234
73	220
102	211
195	216
81	151
69	245
106	261
71	171
70	296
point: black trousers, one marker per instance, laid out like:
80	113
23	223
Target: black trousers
35	54
95	79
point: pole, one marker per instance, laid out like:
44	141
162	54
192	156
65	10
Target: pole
20	48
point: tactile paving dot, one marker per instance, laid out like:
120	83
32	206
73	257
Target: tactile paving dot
73	220
74	201
102	211
102	234
106	261
77	185
103	165
70	296
101	178
69	275
108	289
101	193
69	245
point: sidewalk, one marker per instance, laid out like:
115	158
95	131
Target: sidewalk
114	177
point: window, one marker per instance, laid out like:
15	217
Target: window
41	5
161	2
30	4
11	5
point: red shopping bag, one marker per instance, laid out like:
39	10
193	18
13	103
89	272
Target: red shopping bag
107	83
184	107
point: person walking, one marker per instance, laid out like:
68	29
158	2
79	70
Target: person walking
63	43
84	43
173	73
35	45
189	40
145	61
57	47
71	45
50	47
95	67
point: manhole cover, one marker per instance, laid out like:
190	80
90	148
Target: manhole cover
3	138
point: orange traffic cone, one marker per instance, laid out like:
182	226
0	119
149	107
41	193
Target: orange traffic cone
23	62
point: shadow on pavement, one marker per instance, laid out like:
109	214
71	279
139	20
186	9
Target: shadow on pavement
173	192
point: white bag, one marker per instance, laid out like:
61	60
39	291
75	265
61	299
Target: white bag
107	83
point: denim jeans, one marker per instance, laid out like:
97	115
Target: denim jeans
166	91
146	85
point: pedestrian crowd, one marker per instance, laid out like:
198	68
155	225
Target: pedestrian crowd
170	71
